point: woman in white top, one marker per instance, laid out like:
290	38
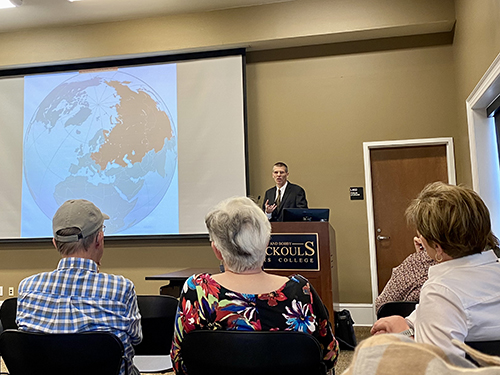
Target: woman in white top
461	298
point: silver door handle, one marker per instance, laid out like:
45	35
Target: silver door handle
381	238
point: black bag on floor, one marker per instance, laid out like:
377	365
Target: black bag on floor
344	330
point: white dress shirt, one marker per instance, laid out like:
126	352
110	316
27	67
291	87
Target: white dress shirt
460	300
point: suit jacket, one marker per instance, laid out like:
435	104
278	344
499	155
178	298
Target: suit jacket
294	197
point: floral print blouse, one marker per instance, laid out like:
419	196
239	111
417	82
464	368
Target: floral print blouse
205	304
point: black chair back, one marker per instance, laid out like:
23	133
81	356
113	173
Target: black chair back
252	352
486	347
8	312
401	308
27	353
157	320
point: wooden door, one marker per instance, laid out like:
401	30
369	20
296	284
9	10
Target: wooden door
398	175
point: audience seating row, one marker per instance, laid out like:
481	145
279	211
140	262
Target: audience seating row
244	352
152	354
255	352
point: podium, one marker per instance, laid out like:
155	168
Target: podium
293	241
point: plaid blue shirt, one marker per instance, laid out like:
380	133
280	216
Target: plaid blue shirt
77	298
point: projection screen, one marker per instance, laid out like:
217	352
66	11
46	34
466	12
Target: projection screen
153	142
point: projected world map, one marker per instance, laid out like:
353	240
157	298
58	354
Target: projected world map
107	137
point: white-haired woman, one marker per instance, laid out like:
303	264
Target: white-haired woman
245	297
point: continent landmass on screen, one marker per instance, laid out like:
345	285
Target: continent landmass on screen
138	118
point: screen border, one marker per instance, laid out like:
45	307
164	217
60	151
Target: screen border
121	61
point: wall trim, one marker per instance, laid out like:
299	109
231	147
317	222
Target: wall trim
362	313
367	146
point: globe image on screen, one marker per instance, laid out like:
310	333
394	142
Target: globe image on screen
106	137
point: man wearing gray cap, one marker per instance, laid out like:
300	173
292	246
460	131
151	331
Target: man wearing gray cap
76	297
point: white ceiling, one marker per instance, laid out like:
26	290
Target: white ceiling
41	13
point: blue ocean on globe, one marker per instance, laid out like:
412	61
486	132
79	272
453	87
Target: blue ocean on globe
107	137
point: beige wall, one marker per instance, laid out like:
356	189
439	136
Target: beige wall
297	22
476	44
316	112
135	260
310	106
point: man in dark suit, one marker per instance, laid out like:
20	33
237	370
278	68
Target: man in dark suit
283	195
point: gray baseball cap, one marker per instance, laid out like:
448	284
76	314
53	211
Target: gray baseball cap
77	213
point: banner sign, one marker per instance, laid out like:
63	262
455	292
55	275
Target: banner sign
293	252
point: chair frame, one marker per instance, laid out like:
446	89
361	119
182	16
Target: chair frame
96	353
252	352
8	311
401	308
487	347
158	313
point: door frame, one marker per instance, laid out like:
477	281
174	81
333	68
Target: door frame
485	166
367	146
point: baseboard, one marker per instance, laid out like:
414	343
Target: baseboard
362	313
